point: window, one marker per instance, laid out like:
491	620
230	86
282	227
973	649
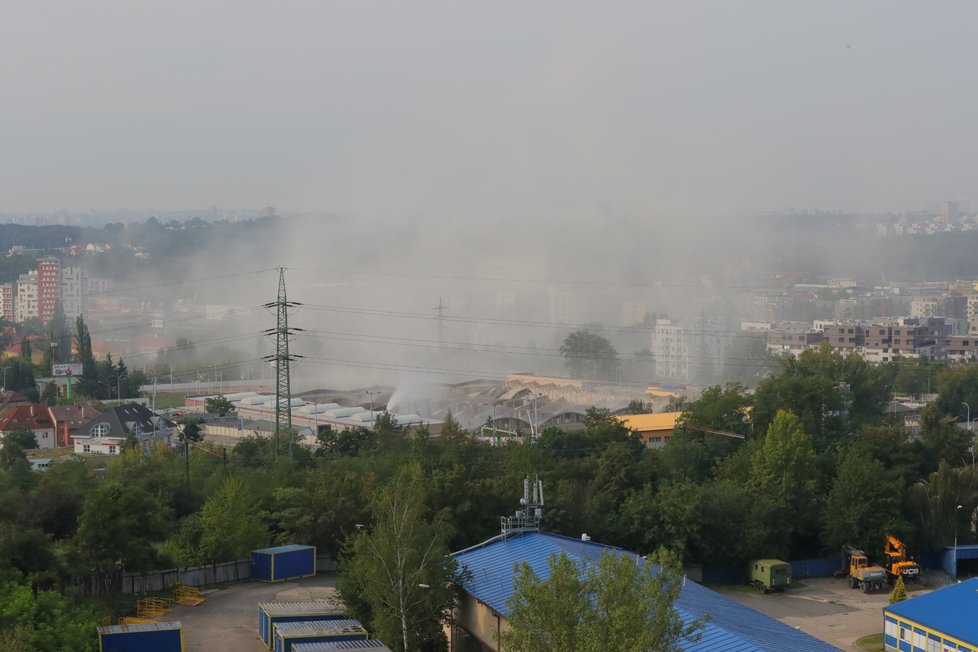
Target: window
111	450
904	634
86	448
100	429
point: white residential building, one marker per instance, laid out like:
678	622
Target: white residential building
26	307
72	288
8	301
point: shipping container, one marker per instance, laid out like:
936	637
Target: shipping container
149	637
288	634
283	563
270	613
369	644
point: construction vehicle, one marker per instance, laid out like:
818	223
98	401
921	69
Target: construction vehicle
862	575
770	574
897	561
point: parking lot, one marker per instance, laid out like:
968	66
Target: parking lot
228	620
827	608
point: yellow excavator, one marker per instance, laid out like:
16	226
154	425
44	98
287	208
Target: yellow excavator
897	561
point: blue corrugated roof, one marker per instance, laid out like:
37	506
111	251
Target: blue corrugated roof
278	549
371	644
142	627
732	627
950	610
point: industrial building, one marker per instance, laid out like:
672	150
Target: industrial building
940	621
483	610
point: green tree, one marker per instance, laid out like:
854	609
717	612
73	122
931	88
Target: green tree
50	394
833	394
219	405
45	622
118	526
783	468
590	356
88	383
865	501
190	430
23	437
25	349
899	592
398	575
230	524
613	603
349	442
747	361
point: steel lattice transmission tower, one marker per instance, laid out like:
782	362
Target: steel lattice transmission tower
282	360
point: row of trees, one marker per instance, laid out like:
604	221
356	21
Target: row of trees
822	464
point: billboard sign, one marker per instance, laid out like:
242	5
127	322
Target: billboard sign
65	369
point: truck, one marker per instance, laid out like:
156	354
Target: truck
897	560
862	574
770	574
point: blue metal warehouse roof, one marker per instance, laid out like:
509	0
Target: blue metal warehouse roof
371	644
950	610
732	627
280	549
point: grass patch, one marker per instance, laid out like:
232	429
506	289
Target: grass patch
167	400
870	643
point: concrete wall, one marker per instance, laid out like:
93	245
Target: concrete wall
481	623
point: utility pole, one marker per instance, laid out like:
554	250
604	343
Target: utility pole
282	358
441	323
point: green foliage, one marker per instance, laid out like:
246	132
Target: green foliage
349	441
863	503
23	437
398	575
587	355
47	622
832	394
230	524
190	430
117	527
783	469
615	603
899	592
219	405
747	360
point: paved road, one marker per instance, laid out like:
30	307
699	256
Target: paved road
826	608
229	618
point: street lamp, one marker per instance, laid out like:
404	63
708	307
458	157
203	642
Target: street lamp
969	413
956	541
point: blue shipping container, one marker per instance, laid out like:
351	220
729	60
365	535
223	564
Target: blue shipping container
283	563
288	634
155	637
270	613
369	644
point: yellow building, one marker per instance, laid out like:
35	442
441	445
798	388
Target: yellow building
653	429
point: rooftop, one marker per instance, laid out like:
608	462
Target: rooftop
732	627
950	610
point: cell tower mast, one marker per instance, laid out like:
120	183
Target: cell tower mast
282	361
528	518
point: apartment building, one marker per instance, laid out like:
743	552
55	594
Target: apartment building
26	302
48	287
8	299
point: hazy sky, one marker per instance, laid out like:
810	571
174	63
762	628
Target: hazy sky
479	109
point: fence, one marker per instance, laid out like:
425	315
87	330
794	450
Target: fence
800	569
163	580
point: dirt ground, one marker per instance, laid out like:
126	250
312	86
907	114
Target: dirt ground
827	609
228	620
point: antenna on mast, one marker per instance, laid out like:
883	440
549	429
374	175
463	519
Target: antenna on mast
528	518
